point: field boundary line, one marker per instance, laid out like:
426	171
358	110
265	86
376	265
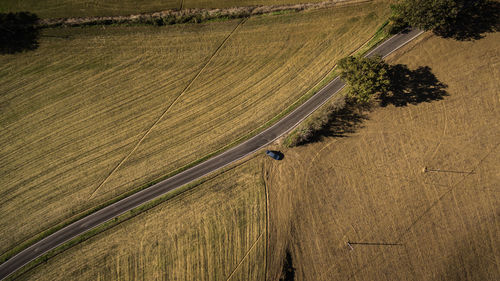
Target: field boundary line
264	175
244	257
168	108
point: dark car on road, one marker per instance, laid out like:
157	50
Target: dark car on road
276	155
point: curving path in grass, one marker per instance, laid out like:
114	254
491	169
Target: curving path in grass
255	143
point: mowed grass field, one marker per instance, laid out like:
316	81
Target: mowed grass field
215	231
87	8
369	187
95	112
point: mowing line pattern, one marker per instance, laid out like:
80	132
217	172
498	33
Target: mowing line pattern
419	218
168	108
244	257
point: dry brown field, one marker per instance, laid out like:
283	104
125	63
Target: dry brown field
214	231
369	186
95	112
85	8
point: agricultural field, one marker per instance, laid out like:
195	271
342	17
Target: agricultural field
215	231
86	8
371	188
95	112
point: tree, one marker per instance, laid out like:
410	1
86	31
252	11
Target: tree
18	32
461	19
366	77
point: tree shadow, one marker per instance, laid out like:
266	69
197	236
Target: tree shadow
412	86
18	32
288	273
406	87
338	122
346	120
473	20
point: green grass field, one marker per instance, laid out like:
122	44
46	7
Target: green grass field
214	231
86	8
370	186
96	112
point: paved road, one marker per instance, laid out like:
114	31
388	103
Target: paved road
217	162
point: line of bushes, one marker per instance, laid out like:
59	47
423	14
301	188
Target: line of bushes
170	17
308	129
337	118
155	20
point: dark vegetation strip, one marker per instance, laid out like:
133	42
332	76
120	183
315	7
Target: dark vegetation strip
379	36
170	17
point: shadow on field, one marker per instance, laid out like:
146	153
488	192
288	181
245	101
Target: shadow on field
464	261
18	32
288	273
472	22
412	86
406	87
344	121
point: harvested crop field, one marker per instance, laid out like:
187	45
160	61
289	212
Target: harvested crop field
98	111
211	232
79	8
370	187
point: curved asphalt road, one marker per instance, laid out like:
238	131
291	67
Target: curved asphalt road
217	162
